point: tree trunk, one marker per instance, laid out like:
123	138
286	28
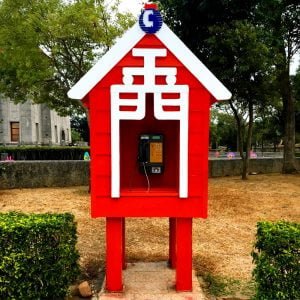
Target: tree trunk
289	163
87	112
241	132
245	170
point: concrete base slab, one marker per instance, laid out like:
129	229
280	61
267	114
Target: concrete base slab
153	280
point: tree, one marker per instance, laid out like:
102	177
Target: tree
76	136
268	128
80	125
296	89
223	130
192	19
281	20
46	46
224	35
240	48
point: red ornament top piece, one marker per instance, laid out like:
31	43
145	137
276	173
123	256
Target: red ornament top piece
150	6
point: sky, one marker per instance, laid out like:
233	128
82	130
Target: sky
135	6
295	64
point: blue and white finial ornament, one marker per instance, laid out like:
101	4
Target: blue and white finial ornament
150	19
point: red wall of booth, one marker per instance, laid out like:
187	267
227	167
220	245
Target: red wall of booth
163	199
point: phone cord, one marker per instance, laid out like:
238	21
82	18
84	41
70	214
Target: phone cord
148	181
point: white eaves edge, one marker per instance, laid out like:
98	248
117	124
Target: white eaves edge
193	64
106	63
127	42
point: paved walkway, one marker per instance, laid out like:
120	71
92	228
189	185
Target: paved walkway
149	281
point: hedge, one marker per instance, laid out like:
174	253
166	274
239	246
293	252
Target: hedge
44	153
38	258
277	257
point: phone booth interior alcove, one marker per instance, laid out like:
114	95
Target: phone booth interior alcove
133	177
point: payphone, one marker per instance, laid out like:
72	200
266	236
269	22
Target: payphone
150	153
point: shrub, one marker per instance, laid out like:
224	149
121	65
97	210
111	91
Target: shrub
277	257
38	258
45	153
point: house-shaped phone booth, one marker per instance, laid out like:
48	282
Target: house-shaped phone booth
149	99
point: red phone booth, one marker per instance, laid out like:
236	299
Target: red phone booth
149	99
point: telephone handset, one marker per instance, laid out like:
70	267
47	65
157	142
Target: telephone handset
150	153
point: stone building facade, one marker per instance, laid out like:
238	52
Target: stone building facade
32	124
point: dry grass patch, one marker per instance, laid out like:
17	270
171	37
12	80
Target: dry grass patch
222	243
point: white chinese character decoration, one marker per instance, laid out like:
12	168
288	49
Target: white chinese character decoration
133	107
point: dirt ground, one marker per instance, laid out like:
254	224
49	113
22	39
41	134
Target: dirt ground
222	243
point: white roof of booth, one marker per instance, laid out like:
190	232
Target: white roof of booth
127	42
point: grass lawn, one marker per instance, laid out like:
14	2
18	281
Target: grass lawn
221	244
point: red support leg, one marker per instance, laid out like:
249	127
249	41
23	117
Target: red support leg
114	255
184	254
172	243
124	265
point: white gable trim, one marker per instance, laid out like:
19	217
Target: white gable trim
106	63
193	64
127	42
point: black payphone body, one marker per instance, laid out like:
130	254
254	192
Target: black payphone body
150	153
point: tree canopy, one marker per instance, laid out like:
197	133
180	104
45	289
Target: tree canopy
248	45
46	46
280	20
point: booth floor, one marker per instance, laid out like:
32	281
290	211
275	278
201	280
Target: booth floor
152	280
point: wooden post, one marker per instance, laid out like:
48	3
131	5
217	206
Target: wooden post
124	265
172	243
184	254
114	254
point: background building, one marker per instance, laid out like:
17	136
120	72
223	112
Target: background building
32	124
